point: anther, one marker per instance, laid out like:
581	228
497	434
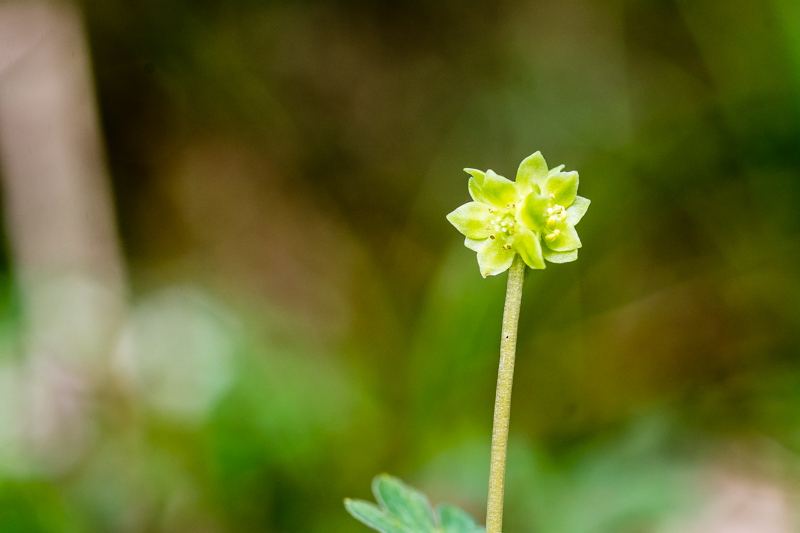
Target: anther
549	210
491	236
563	216
506	246
552	236
551	221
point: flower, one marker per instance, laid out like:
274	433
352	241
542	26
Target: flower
534	216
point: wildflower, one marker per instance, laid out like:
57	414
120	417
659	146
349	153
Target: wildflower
534	216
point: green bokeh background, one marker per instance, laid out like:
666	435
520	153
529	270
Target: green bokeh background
282	171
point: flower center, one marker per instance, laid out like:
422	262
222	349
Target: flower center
503	224
555	215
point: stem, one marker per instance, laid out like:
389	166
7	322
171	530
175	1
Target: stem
502	402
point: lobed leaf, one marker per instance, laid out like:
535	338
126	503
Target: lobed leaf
403	509
408	505
373	516
454	520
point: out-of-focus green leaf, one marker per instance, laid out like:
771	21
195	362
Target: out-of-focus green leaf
403	509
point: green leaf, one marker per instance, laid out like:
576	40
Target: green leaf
472	220
453	520
493	259
408	505
499	190
403	509
530	249
375	517
532	170
562	187
576	211
559	257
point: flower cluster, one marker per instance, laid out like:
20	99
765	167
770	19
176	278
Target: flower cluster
534	216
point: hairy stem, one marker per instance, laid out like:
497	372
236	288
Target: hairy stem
502	402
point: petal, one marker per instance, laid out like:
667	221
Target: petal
556	170
493	259
532	170
477	174
562	187
532	211
475	245
499	190
472	220
567	240
476	192
576	211
559	257
530	249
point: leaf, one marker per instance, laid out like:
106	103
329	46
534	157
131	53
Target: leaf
454	520
373	516
403	509
408	505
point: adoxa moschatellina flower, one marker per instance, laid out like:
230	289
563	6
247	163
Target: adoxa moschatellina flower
534	216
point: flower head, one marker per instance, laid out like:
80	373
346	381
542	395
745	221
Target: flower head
534	216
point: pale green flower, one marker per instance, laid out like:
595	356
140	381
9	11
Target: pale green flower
534	217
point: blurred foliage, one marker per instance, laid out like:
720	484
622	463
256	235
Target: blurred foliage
307	318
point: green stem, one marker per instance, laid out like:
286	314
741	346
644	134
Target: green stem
502	402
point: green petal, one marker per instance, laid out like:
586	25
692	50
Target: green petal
373	516
559	257
475	245
476	192
556	170
493	259
576	211
472	220
477	174
530	249
533	209
454	520
562	187
532	170
499	190
567	240
408	505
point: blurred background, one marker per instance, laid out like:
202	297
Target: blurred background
230	296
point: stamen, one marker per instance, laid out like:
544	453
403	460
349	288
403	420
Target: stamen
549	210
507	246
552	221
491	236
552	236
